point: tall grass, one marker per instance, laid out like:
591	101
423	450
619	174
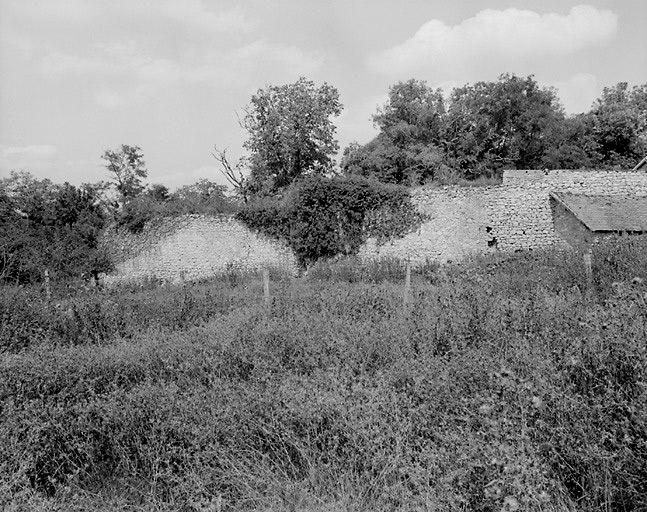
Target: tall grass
503	385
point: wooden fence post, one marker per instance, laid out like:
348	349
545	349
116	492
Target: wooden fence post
407	285
588	269
48	290
266	286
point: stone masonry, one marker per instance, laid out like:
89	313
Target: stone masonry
515	215
193	247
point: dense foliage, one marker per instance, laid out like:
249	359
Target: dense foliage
49	227
321	217
290	133
503	385
489	126
203	197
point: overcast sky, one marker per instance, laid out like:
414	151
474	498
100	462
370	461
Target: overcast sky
80	76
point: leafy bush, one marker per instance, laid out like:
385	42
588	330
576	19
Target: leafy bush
322	217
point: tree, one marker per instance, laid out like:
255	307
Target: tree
408	149
158	192
612	135
619	119
572	145
413	114
201	190
494	125
290	133
127	169
233	173
49	226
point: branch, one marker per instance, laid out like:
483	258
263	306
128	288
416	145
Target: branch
233	174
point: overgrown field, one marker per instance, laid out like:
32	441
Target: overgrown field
504	384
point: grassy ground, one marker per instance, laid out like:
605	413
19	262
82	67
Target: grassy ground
505	384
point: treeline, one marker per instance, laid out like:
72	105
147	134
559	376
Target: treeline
511	123
289	185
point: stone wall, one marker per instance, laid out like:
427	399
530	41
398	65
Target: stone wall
193	247
515	215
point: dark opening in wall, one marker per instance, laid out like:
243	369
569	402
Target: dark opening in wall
492	242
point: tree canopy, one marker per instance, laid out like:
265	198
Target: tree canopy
290	133
127	168
46	226
408	147
480	129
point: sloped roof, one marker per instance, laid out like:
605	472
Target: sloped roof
640	164
606	213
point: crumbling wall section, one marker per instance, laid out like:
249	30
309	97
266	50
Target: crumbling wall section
195	247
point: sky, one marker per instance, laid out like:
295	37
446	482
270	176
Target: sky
172	76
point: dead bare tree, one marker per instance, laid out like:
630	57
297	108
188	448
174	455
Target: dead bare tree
233	173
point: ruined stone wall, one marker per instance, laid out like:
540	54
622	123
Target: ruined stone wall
460	221
193	247
512	216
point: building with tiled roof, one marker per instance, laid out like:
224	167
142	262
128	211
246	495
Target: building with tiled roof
581	218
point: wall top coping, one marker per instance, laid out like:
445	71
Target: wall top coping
539	173
519	178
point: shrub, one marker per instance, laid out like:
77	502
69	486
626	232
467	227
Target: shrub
322	217
202	198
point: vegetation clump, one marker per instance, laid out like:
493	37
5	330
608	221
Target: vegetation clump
324	217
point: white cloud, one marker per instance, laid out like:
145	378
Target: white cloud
191	14
578	92
32	27
38	156
39	151
108	99
195	14
501	36
60	10
256	62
